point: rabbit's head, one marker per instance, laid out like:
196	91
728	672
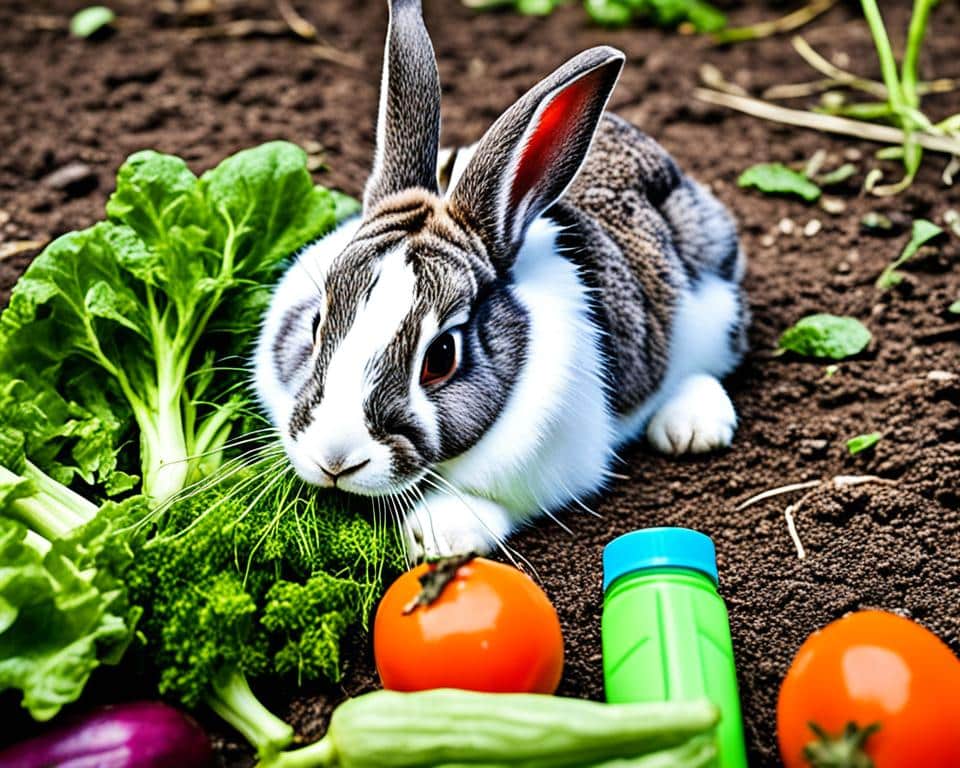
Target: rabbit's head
394	344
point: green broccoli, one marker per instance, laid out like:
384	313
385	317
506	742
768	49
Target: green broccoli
244	578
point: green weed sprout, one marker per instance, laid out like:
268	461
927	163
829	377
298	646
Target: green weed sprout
897	100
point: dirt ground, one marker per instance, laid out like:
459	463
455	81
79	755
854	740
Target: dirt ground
896	545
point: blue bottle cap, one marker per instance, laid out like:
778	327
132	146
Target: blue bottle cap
659	548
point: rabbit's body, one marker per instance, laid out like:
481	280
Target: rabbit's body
485	364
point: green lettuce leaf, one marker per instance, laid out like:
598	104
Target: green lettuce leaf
63	607
120	331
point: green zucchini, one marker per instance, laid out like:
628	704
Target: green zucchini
428	729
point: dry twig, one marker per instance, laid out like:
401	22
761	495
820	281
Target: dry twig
19	246
883	134
711	76
300	26
811	487
841	76
239	28
786	23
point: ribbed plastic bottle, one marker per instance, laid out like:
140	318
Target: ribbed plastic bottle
665	630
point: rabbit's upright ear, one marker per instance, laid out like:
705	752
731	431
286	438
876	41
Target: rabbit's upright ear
408	123
532	153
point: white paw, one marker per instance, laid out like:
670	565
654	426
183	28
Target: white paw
698	418
443	524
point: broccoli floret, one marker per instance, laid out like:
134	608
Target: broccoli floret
238	582
313	617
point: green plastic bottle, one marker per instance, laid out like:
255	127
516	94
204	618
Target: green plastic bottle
665	630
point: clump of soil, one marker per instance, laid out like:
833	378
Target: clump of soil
73	110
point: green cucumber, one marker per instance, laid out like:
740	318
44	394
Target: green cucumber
699	752
386	729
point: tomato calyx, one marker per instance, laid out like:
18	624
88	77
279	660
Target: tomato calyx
436	579
845	750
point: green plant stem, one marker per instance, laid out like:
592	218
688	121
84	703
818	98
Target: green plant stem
888	64
73	502
53	511
864	111
915	35
163	441
231	698
949	125
320	754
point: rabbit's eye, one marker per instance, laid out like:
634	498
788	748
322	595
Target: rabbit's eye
441	360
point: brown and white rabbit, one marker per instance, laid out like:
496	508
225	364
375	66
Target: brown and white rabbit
484	349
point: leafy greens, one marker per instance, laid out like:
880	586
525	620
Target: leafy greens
118	335
861	443
63	605
179	259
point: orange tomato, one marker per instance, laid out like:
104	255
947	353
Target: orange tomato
872	668
491	629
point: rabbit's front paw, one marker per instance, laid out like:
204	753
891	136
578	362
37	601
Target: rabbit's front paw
698	418
443	524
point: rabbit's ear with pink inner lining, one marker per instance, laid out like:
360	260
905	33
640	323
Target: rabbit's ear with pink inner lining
531	154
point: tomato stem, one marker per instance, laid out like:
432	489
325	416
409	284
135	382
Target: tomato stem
436	579
845	750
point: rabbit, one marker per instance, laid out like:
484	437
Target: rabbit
498	321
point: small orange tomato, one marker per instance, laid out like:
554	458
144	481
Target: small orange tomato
490	629
877	686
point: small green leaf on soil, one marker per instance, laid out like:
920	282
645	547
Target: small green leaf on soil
876	221
826	336
608	13
837	176
536	7
862	442
89	21
923	232
954	308
777	179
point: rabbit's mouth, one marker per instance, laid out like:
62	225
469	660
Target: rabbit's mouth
356	462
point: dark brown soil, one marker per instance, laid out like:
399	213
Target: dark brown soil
894	546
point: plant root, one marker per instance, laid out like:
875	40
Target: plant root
792	529
19	246
811	486
298	25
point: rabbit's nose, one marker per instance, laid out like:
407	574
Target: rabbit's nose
334	467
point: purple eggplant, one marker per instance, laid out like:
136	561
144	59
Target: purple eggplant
139	734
